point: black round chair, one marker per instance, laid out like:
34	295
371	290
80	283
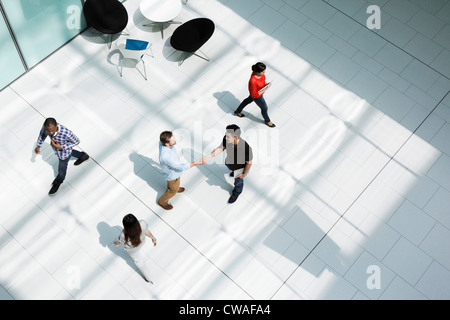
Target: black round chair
106	16
192	35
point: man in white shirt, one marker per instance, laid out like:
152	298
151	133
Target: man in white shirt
172	167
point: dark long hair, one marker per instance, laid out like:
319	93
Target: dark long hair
258	67
132	229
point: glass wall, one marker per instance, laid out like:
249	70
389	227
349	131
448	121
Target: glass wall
10	64
39	27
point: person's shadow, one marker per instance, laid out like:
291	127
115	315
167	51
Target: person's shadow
46	155
156	180
107	235
229	103
214	166
153	177
220	171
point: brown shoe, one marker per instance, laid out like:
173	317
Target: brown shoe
166	206
181	189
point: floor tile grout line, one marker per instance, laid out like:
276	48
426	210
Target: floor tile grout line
362	192
131	147
388	41
388	161
171	227
159	217
25	100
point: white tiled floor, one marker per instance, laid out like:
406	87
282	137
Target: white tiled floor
353	185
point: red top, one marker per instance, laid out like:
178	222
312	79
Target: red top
255	84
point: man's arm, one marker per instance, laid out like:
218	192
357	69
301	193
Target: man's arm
247	167
72	140
40	140
175	164
198	162
178	166
213	153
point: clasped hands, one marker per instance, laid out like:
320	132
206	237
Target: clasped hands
202	160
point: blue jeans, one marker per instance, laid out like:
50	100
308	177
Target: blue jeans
62	166
238	185
261	104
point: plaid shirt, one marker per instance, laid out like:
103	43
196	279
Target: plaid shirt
64	137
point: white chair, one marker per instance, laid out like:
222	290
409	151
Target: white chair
133	50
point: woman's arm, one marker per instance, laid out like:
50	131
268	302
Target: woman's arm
265	88
151	236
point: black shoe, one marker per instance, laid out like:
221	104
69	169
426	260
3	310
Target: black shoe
240	115
270	124
232	174
81	159
54	188
149	281
232	199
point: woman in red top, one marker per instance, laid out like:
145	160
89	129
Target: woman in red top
257	86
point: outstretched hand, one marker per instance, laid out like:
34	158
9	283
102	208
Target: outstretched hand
206	158
199	162
202	160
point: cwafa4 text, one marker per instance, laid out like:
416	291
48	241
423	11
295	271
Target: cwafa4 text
228	309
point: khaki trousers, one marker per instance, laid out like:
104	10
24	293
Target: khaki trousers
172	189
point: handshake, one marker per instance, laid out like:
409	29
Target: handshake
201	161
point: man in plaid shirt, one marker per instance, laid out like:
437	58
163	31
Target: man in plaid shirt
62	141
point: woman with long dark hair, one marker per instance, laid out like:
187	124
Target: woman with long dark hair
133	238
257	86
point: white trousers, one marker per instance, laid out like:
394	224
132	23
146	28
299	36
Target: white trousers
139	260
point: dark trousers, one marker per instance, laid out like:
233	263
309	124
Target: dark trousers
62	166
260	102
238	185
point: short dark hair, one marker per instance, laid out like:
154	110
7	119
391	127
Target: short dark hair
234	130
165	136
49	122
258	67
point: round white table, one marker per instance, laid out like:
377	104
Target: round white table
161	11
